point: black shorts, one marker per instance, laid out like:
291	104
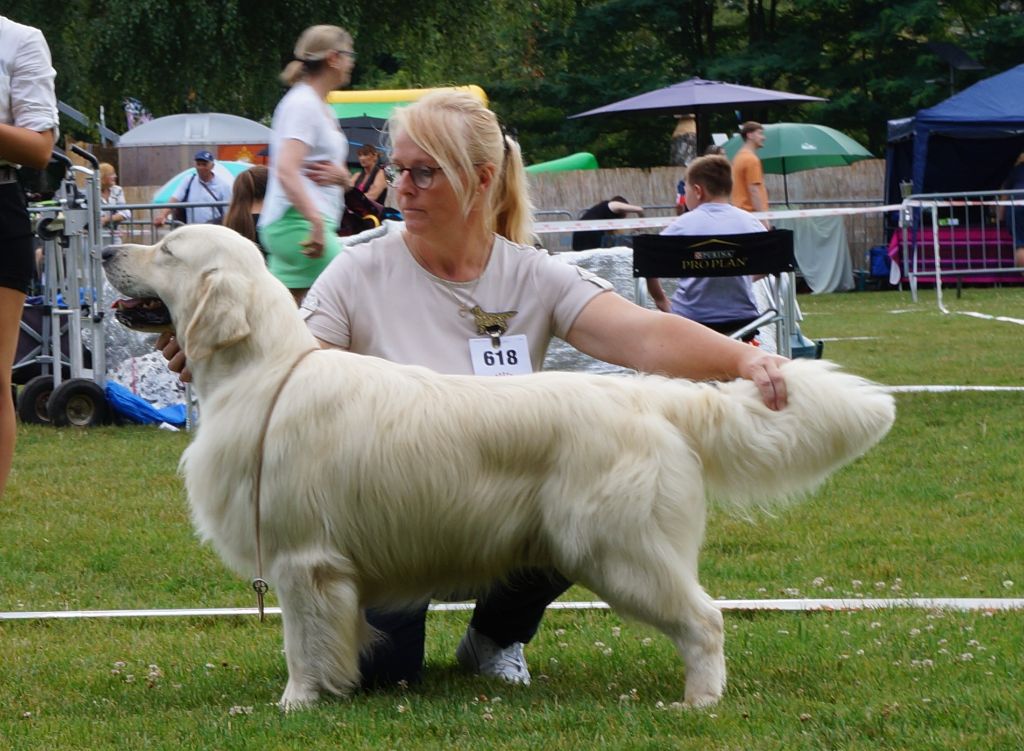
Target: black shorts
17	259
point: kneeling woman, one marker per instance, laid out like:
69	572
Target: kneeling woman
308	176
462	279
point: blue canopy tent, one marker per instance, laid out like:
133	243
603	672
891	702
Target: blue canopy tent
969	142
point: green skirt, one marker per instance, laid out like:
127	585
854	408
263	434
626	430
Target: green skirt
282	241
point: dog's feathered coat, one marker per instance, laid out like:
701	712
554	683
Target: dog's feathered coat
383	483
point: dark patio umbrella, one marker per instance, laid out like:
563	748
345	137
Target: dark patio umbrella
364	130
696	96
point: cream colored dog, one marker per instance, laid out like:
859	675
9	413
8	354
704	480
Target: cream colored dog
383	484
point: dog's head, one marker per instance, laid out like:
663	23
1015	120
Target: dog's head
198	280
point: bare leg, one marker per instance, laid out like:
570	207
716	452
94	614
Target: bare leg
12	304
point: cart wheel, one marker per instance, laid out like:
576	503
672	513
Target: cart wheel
33	398
79	403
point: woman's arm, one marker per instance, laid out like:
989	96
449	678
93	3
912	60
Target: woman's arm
612	329
378	186
290	163
24	146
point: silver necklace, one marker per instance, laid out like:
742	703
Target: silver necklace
487	323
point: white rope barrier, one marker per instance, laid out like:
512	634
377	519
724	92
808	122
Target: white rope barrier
964	604
947	389
655	222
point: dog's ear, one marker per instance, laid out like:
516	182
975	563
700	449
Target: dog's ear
219	319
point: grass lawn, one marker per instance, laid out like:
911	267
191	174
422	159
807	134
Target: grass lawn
97	519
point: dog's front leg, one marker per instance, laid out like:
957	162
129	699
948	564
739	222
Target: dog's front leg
323	626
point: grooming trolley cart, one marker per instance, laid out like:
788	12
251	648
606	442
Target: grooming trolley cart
70	387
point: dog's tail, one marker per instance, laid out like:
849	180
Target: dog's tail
754	456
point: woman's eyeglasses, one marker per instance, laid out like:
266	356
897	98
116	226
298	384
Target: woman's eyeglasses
422	177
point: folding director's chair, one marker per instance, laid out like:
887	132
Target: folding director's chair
755	253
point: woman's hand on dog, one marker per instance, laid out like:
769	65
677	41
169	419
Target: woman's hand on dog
764	370
167	343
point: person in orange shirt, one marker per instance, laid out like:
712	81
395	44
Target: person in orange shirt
748	190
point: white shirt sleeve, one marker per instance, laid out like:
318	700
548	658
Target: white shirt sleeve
33	100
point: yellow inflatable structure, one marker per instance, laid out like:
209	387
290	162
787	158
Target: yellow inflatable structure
380	102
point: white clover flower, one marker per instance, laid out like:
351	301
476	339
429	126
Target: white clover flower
237	710
792	591
915	632
1008	584
966	657
616	631
856	584
818	581
876	624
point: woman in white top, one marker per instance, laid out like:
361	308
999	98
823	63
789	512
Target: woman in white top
28	128
112	201
308	177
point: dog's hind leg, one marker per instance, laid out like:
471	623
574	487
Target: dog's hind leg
649	572
324	627
663	591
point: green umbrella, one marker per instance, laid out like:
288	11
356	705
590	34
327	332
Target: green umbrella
794	147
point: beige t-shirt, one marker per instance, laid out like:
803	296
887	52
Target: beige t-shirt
375	299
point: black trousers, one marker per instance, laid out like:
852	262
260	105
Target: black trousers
510	611
17	259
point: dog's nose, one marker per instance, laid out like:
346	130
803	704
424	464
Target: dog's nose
108	252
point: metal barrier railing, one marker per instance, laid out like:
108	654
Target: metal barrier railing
966	236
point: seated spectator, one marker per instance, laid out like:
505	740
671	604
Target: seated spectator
247	202
614	208
112	201
721	303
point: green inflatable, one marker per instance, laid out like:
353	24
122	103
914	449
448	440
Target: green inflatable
579	160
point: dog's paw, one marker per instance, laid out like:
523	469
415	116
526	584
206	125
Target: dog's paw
296	697
699	701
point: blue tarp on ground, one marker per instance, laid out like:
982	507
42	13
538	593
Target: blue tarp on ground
133	407
968	142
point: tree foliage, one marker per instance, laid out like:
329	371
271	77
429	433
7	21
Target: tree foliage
539	60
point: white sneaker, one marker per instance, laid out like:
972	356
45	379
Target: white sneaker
481	654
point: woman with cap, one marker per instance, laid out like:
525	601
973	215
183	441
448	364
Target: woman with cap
28	127
308	177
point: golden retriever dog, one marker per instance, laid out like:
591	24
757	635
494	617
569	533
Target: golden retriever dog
383	484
